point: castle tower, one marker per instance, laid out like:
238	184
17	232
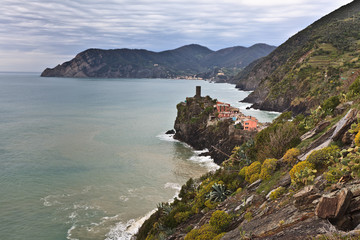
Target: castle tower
198	92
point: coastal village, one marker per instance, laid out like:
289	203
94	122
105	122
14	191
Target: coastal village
225	111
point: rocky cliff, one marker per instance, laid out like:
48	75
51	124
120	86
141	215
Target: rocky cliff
191	60
192	126
308	190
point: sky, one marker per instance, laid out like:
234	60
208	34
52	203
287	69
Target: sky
36	34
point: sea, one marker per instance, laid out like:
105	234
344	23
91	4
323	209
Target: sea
89	158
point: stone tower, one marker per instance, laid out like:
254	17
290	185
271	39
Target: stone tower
198	92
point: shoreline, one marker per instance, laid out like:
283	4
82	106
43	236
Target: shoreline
128	230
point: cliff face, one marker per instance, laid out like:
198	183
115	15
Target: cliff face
192	127
313	65
188	60
311	192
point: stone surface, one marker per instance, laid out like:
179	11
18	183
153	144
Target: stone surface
326	208
354	205
254	185
355	190
321	126
334	207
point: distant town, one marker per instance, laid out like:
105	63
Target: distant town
225	111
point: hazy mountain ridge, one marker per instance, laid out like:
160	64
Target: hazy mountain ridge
188	60
311	66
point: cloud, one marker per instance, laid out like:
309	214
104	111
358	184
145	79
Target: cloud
66	27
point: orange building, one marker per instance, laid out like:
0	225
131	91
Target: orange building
250	124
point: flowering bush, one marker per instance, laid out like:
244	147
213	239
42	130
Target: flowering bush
290	156
302	173
323	157
267	168
252	172
220	220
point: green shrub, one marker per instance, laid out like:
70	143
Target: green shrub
291	156
252	172
220	220
323	157
201	195
242	172
277	193
273	141
206	232
355	87
182	216
210	205
330	104
347	165
302	173
268	167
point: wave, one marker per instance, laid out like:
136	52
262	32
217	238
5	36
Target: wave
125	231
205	161
69	233
167	137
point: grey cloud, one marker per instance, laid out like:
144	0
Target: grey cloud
67	27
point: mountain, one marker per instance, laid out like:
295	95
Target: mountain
316	63
189	60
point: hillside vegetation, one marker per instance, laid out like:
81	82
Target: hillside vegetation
187	61
319	62
299	178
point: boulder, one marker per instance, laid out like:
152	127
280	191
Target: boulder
334	207
172	131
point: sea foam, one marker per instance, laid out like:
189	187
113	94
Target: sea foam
125	231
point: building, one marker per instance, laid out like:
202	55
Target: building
225	110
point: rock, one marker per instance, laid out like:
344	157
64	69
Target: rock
347	138
354	205
321	126
254	185
334	207
305	198
326	208
342	107
344	199
333	134
247	202
284	181
355	190
268	195
172	131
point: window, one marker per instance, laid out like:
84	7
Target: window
246	123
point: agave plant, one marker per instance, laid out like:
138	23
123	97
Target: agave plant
218	193
164	208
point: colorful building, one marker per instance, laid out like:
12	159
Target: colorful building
225	110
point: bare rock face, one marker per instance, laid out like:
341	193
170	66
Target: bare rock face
334	207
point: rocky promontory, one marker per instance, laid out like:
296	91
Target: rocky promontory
194	127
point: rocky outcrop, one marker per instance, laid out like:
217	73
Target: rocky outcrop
192	127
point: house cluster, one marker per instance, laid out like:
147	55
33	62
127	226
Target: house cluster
225	110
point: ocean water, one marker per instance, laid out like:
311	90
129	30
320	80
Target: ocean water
88	158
